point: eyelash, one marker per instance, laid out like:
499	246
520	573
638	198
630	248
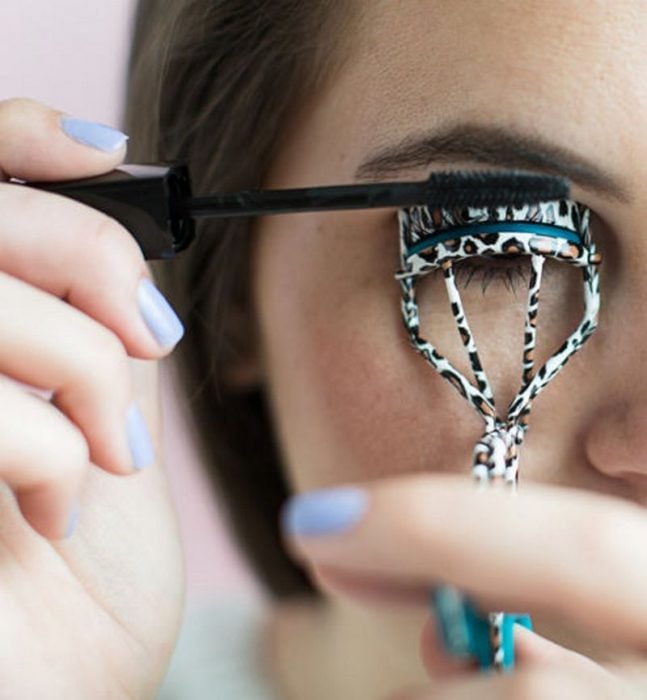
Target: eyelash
513	271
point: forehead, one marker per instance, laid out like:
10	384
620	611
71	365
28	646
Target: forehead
572	70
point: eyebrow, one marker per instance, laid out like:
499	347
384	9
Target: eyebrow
492	145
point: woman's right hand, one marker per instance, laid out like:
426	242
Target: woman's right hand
93	615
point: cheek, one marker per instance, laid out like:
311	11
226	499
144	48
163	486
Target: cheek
352	400
385	411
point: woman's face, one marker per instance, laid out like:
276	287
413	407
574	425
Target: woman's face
549	84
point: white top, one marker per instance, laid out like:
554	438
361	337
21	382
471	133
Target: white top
218	655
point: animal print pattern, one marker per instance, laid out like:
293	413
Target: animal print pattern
496	638
434	239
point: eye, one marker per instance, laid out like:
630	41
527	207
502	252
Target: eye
491	281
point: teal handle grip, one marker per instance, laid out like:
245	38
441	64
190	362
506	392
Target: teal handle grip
466	634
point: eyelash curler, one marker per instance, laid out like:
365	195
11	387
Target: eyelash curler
435	240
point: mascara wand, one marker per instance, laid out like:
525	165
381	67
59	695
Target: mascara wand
156	205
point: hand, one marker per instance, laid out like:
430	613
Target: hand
574	554
95	615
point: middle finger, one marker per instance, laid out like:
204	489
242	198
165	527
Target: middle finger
53	346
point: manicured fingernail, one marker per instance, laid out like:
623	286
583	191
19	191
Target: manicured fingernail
158	314
324	512
73	520
100	136
139	439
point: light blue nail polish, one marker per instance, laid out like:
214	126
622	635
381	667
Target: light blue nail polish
324	512
100	136
158	314
139	439
73	520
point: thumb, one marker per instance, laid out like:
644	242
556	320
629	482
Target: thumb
39	143
531	649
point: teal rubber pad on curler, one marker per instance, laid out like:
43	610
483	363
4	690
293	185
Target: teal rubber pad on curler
465	634
453	627
509	621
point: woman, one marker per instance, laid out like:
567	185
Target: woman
302	311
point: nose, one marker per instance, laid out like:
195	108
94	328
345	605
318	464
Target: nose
616	438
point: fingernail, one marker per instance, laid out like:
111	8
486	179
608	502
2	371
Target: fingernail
139	439
324	512
158	314
73	520
100	136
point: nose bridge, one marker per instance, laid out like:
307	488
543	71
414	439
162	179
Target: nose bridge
615	422
622	333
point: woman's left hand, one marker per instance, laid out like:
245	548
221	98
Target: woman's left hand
553	550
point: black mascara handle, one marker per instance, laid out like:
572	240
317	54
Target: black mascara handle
155	204
142	198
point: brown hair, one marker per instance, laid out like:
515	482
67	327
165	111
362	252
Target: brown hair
212	83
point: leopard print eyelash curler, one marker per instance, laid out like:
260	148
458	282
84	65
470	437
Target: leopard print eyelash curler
435	240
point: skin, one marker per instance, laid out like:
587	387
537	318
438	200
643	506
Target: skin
374	414
94	615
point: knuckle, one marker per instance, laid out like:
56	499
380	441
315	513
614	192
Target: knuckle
71	455
108	356
600	545
419	528
115	244
22	199
13	107
76	450
106	229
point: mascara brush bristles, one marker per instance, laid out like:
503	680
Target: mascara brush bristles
489	189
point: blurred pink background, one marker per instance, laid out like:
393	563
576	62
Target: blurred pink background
72	54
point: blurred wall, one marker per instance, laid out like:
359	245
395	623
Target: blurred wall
69	53
72	54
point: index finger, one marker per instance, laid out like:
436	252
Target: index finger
41	143
576	554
